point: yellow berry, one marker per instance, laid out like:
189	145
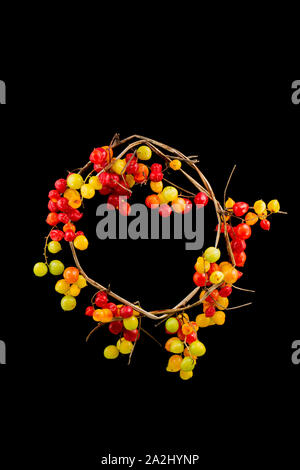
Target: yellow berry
212	254
251	218
81	283
124	346
260	207
156	187
74	290
111	352
95	183
62	286
144	153
222	302
186	375
229	203
118	166
202	265
131	323
162	198
130	180
263	215
216	277
170	193
219	318
87	191
104	315
75	181
175	165
174	363
81	242
202	320
274	206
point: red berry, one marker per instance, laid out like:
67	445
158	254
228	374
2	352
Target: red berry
101	299
210	311
130	157
124	208
69	236
56	235
74	215
180	335
165	210
64	218
199	279
79	233
156	168
54	195
191	337
52	206
156	176
126	311
188	206
114	180
240	274
131	335
113	308
89	311
265	224
240	258
213	296
98	167
240	208
63	204
104	178
61	185
238	245
52	219
98	155
132	168
105	191
225	291
201	199
113	200
213	267
115	327
243	231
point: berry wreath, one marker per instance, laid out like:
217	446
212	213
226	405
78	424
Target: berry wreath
115	177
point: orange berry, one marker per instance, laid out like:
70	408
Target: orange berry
142	173
69	226
251	218
71	274
187	329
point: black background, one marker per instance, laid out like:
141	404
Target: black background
65	402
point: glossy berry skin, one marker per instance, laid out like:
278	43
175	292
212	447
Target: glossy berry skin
56	235
68	302
165	210
101	299
115	327
132	168
225	291
124	208
213	296
243	231
265	224
71	274
238	245
156	168
54	195
63	204
60	185
201	199
144	152
156	176
240	208
131	323
69	226
89	311
126	311
172	325
113	308
188	206
131	335
52	219
63	218
98	155
200	279
75	215
69	236
111	352
240	258
191	337
40	269
56	267
210	311
52	206
152	201
142	173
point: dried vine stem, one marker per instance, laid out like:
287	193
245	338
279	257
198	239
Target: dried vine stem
204	187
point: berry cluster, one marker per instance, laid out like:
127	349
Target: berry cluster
115	178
